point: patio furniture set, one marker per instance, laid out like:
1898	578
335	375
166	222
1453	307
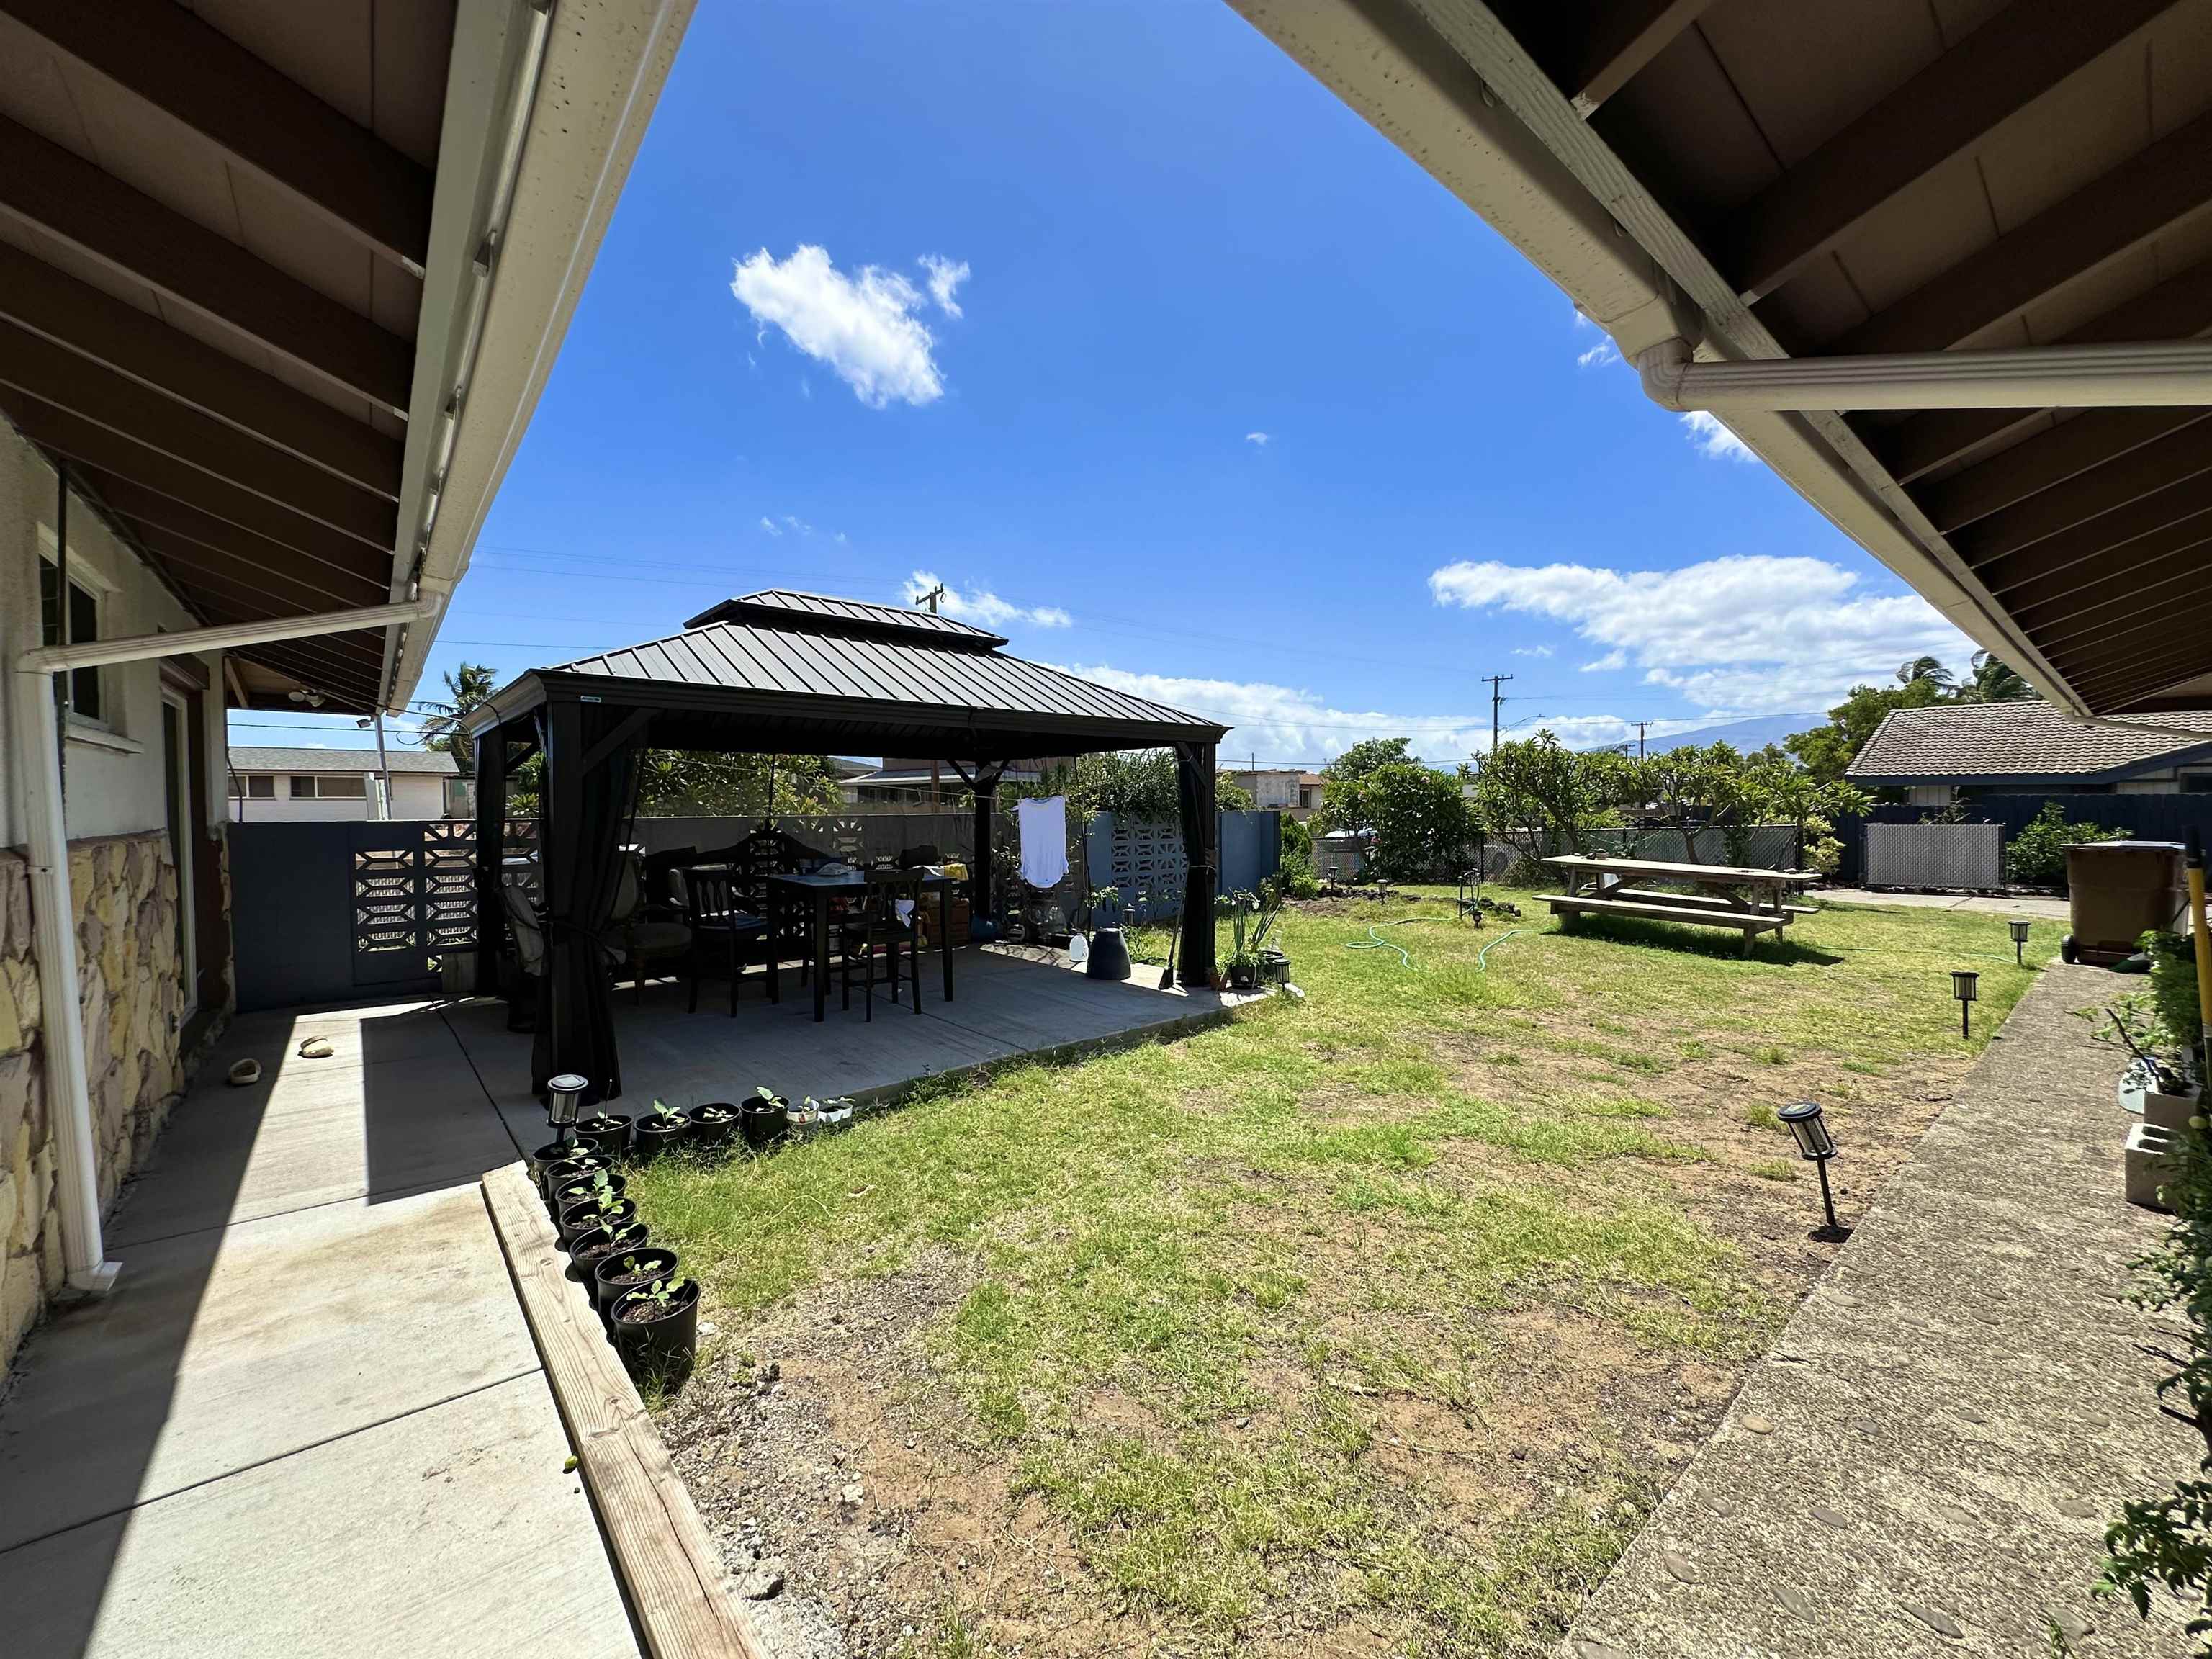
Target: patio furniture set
759	902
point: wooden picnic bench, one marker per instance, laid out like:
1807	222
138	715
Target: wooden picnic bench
1754	902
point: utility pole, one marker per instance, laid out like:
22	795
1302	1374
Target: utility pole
936	778
1640	725
1497	700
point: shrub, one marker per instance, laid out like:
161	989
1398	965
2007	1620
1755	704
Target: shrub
2037	855
1296	871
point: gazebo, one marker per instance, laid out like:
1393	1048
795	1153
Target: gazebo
784	673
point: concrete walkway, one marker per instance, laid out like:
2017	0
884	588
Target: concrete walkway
2044	909
1926	1462
310	1419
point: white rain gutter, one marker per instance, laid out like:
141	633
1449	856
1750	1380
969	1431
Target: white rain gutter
2134	375
54	912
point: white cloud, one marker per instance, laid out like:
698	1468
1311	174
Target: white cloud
1713	440
1607	664
771	526
791	524
981	606
1532	650
1259	439
1756	634
861	327
945	276
1284	723
1598	356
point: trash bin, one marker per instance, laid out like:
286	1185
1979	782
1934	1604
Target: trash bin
2120	890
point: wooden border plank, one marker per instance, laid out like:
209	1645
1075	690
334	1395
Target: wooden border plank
670	1567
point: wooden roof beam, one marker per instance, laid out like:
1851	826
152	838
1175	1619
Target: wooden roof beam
2156	524
1622	38
2172	458
2131	675
2090	440
1999	69
54	375
71	200
2084	600
257	116
304	587
2179	308
146	508
2152	616
36	297
2162	184
105	451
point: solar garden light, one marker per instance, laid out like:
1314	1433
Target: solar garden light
1966	985
1815	1143
2018	928
567	1103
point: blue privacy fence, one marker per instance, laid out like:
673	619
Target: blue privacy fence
1145	861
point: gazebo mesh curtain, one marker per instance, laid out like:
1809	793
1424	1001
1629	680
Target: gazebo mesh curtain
588	799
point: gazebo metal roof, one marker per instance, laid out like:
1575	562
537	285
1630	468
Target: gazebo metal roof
800	672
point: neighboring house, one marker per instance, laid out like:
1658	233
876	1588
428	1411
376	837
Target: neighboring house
1282	789
237	470
278	785
904	782
1955	751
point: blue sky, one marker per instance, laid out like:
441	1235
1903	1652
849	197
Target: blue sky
1232	403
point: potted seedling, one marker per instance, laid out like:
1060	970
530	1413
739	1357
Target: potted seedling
626	1271
598	1187
766	1117
589	1248
605	1132
557	1152
1110	949
714	1122
580	1166
605	1208
659	1130
656	1325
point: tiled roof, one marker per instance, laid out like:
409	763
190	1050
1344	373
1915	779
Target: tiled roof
1983	742
279	759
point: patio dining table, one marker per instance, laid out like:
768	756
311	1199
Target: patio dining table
818	891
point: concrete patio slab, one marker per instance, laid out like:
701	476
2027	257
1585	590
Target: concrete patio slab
2042	910
453	1530
387	1310
1925	1463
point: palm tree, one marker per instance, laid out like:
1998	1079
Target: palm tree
468	687
1994	680
1926	668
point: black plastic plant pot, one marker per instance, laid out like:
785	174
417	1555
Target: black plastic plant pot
585	1189
1109	955
652	1136
766	1121
657	1337
1243	979
608	1133
582	1164
558	1151
581	1218
714	1123
589	1248
611	1277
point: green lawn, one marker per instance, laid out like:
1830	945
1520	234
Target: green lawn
1376	1322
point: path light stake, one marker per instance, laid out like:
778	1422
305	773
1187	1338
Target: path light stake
561	1110
1966	985
2018	928
1816	1143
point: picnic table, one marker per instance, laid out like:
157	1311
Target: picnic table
1754	902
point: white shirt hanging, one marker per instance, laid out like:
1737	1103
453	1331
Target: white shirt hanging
1043	827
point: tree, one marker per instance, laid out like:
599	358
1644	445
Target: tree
1420	820
1994	680
1139	785
1826	750
1809	807
1344	779
1538	796
1925	668
469	686
679	783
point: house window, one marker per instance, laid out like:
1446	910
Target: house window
2197	783
1305	796
253	788
303	789
80	687
330	788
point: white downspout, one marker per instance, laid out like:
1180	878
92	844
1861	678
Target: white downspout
39	763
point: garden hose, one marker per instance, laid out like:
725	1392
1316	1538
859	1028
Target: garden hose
1375	941
1482	967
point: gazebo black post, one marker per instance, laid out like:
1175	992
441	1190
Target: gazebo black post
491	848
982	873
1195	766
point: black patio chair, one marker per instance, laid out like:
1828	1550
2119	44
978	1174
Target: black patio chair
722	932
878	928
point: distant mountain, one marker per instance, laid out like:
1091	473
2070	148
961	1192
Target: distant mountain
1745	735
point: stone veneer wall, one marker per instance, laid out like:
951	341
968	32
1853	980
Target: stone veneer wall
126	892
